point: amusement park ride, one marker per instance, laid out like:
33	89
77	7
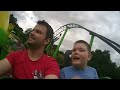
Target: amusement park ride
66	27
4	32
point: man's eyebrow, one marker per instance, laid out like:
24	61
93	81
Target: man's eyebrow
37	30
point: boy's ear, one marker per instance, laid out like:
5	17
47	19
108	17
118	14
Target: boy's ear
89	56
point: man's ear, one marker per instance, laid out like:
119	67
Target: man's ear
47	41
89	56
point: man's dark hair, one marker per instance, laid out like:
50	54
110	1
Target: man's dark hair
82	41
50	32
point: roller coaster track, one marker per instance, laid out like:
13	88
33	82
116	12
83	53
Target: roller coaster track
111	43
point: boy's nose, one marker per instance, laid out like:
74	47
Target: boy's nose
76	52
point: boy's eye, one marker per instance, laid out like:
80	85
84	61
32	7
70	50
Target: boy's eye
74	50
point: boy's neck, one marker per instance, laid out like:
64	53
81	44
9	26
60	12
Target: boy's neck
81	68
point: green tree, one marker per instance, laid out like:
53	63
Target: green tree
103	64
60	59
60	55
18	31
12	20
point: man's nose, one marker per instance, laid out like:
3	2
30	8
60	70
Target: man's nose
32	33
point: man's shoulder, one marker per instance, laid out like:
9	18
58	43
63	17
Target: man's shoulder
49	58
18	52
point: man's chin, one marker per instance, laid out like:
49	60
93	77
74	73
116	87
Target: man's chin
29	42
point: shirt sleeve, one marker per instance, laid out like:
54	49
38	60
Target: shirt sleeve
96	75
53	68
62	74
11	58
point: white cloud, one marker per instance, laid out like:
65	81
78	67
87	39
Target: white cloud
25	19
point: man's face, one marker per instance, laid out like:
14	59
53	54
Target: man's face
80	55
38	36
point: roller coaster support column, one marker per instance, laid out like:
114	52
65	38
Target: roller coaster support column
47	48
91	40
56	51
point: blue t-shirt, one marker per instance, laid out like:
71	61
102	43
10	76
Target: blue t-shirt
70	72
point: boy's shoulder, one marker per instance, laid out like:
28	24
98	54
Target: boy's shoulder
91	68
66	68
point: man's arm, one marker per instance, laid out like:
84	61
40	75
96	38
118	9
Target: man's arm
51	76
5	67
52	71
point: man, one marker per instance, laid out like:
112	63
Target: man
32	63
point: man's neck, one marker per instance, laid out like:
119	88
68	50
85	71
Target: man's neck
35	53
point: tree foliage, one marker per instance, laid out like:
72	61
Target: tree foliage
105	67
18	31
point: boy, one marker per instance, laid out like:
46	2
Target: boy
81	54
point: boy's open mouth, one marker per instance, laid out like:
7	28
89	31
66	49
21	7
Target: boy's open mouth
76	58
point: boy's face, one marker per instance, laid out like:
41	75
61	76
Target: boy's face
80	55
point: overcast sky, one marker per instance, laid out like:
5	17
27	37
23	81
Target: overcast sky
105	23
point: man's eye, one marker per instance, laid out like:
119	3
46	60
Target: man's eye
37	31
82	50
